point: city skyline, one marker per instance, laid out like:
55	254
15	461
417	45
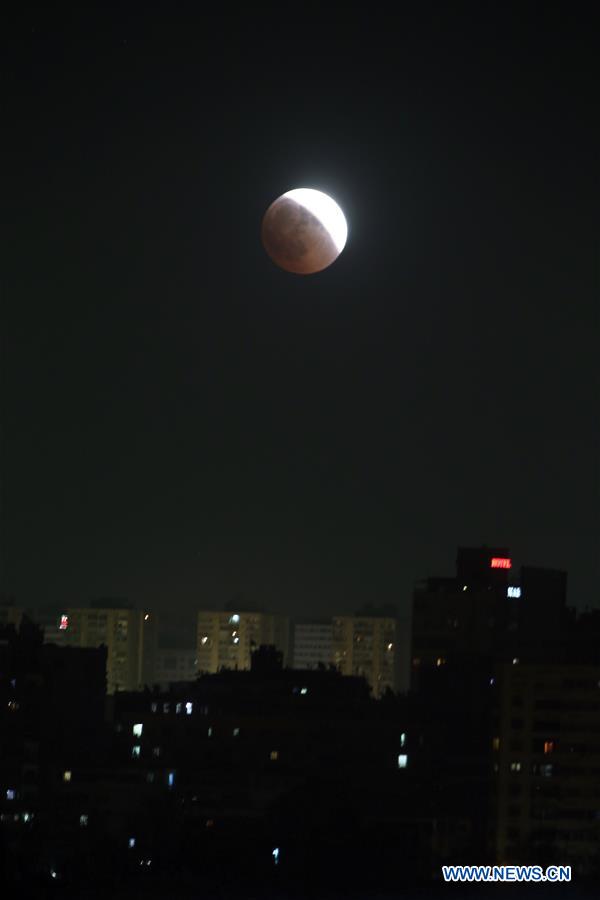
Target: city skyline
300	451
303	609
182	420
278	777
486	603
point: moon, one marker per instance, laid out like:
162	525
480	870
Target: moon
304	231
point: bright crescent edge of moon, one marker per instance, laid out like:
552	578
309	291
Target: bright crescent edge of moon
326	210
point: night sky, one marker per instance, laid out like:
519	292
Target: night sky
182	421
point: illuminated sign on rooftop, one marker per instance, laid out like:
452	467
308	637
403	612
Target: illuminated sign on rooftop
500	562
513	592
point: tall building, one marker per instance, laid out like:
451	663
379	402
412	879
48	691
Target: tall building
121	629
470	613
227	639
547	765
488	610
369	646
313	644
52	702
483	568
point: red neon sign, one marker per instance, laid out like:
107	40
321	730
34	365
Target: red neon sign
64	623
500	562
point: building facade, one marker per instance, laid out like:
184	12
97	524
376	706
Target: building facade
469	613
368	646
488	610
227	639
313	645
547	765
121	630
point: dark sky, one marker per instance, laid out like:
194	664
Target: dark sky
182	421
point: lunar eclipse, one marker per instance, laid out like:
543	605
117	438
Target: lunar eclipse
304	231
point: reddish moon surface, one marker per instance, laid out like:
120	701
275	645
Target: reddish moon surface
295	239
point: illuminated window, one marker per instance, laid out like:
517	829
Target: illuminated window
236	640
64	623
515	767
83	820
234	634
234	619
500	562
131	843
166	707
188	708
402	761
515	661
137	729
496	743
67	776
390	646
513	592
274	755
236	732
136	750
171	779
153	707
204	639
10	793
403	739
304	690
440	661
13	705
178	708
464	587
210	731
546	770
548	746
275	854
492	681
146	617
